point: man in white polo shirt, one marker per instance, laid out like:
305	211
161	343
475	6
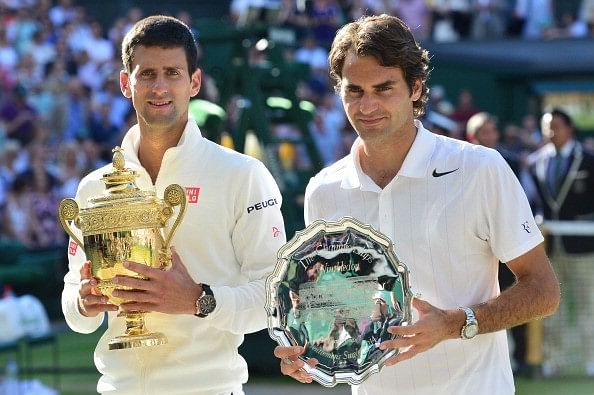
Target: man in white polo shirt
453	210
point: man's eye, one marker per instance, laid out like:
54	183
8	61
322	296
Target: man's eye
173	72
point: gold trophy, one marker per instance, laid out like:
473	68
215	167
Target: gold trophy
125	224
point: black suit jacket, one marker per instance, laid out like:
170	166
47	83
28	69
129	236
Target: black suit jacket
575	200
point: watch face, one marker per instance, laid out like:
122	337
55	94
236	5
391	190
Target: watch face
207	304
470	331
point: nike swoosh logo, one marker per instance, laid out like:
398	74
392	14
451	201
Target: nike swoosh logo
436	174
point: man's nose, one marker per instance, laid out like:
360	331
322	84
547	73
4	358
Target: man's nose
368	103
160	86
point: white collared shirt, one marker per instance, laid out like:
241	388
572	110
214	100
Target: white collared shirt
453	211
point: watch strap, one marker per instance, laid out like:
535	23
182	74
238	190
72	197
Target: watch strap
470	321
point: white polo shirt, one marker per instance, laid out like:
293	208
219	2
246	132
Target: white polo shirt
453	211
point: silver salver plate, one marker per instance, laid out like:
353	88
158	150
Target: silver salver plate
336	288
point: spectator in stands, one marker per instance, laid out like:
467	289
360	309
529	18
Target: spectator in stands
17	211
416	14
29	76
325	16
69	168
482	129
488	20
452	19
98	47
537	17
465	108
312	54
102	130
531	133
356	9
570	26
326	130
563	175
293	16
77	110
43	200
62	13
245	12
19	117
110	95
9	153
41	49
316	57
9	57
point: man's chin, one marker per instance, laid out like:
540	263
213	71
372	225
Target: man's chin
159	121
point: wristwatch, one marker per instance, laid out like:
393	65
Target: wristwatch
471	326
206	303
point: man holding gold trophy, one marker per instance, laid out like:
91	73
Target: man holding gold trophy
453	211
199	297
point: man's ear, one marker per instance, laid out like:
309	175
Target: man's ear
125	84
417	90
196	82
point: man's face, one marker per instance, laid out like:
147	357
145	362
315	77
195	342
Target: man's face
376	99
488	134
160	86
555	128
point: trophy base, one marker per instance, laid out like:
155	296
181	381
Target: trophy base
131	341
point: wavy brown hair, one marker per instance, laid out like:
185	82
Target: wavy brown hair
390	41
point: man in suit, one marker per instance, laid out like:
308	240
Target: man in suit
563	176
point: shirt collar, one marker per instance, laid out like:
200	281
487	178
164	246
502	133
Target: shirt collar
415	165
567	148
131	141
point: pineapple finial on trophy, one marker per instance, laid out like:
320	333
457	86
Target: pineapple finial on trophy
121	179
118	160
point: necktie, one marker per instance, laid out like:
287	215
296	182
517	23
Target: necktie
557	174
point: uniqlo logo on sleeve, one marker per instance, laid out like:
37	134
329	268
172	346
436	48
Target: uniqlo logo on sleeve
192	193
72	248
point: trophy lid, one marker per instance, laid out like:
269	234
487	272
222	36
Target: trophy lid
120	184
122	179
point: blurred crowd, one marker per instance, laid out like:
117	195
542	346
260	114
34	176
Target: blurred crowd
439	20
61	110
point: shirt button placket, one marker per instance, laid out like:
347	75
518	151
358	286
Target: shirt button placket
385	212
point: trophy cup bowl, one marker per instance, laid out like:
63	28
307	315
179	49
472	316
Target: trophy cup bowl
125	224
336	288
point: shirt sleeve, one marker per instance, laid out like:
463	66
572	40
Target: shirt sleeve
258	235
76	258
510	225
309	210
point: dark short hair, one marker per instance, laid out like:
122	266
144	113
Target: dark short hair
160	31
557	112
390	41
